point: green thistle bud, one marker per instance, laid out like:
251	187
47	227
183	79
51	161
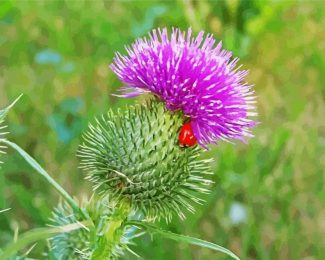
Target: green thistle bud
70	245
95	241
135	156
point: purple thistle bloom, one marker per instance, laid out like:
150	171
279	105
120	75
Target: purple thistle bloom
193	75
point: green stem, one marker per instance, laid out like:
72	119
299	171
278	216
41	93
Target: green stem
110	232
33	163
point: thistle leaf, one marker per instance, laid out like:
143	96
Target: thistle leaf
182	238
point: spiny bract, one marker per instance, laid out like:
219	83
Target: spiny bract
135	156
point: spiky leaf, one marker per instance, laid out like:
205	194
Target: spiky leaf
135	156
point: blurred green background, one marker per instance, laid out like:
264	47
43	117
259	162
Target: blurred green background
268	198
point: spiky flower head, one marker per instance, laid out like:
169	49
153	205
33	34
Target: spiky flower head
193	75
135	156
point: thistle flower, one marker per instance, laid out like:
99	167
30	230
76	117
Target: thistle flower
192	75
134	156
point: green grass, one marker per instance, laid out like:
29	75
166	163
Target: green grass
278	177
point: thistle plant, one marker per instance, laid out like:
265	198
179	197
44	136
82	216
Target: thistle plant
145	163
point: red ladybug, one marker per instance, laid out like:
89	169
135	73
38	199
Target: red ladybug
186	136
